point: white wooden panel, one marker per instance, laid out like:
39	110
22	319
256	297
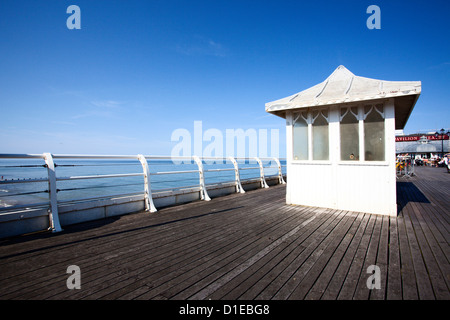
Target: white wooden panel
310	185
362	186
366	189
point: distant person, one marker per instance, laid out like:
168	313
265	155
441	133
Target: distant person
447	162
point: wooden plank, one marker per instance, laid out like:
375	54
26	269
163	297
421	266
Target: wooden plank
362	292
253	275
150	243
304	261
436	229
350	283
433	183
332	290
257	289
284	270
167	280
324	267
409	285
382	261
437	278
189	258
200	280
311	269
226	278
394	277
424	287
86	243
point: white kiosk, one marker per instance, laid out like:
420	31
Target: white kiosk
341	141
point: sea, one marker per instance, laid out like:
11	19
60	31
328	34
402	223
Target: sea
14	194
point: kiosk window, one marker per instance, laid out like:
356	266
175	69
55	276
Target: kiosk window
349	129
374	133
300	136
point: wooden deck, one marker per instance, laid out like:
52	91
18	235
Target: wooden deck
245	246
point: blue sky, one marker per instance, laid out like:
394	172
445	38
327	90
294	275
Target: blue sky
138	70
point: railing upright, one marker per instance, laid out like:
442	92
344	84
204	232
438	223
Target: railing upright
239	188
261	173
55	225
280	172
149	205
203	193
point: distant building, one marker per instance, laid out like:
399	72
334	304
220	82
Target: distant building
423	145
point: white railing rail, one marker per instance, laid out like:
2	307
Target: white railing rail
50	162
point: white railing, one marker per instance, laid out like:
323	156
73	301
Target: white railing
197	177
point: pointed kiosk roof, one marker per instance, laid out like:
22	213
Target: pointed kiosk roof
343	87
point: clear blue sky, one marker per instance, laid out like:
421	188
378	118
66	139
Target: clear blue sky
138	70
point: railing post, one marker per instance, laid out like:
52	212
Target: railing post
280	172
55	226
203	193
237	175
261	173
149	205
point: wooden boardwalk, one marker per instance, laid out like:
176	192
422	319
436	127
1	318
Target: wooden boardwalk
245	246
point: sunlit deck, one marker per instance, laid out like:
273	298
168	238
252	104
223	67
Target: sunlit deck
245	246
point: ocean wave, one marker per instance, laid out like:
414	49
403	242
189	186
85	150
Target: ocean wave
5	205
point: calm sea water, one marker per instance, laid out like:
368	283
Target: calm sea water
12	194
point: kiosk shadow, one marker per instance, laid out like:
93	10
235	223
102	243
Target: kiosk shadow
408	192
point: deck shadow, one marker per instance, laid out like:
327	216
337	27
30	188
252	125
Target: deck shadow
408	192
97	223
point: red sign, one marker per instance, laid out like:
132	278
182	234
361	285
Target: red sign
417	138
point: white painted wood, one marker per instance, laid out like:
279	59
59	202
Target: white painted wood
289	152
204	192
149	205
310	137
26	218
280	172
362	155
389	115
364	186
261	173
237	176
55	225
367	186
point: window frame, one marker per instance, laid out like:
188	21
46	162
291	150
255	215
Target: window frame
361	131
310	118
336	158
349	111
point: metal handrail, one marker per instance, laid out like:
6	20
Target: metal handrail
144	161
24	180
118	175
173	172
215	170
